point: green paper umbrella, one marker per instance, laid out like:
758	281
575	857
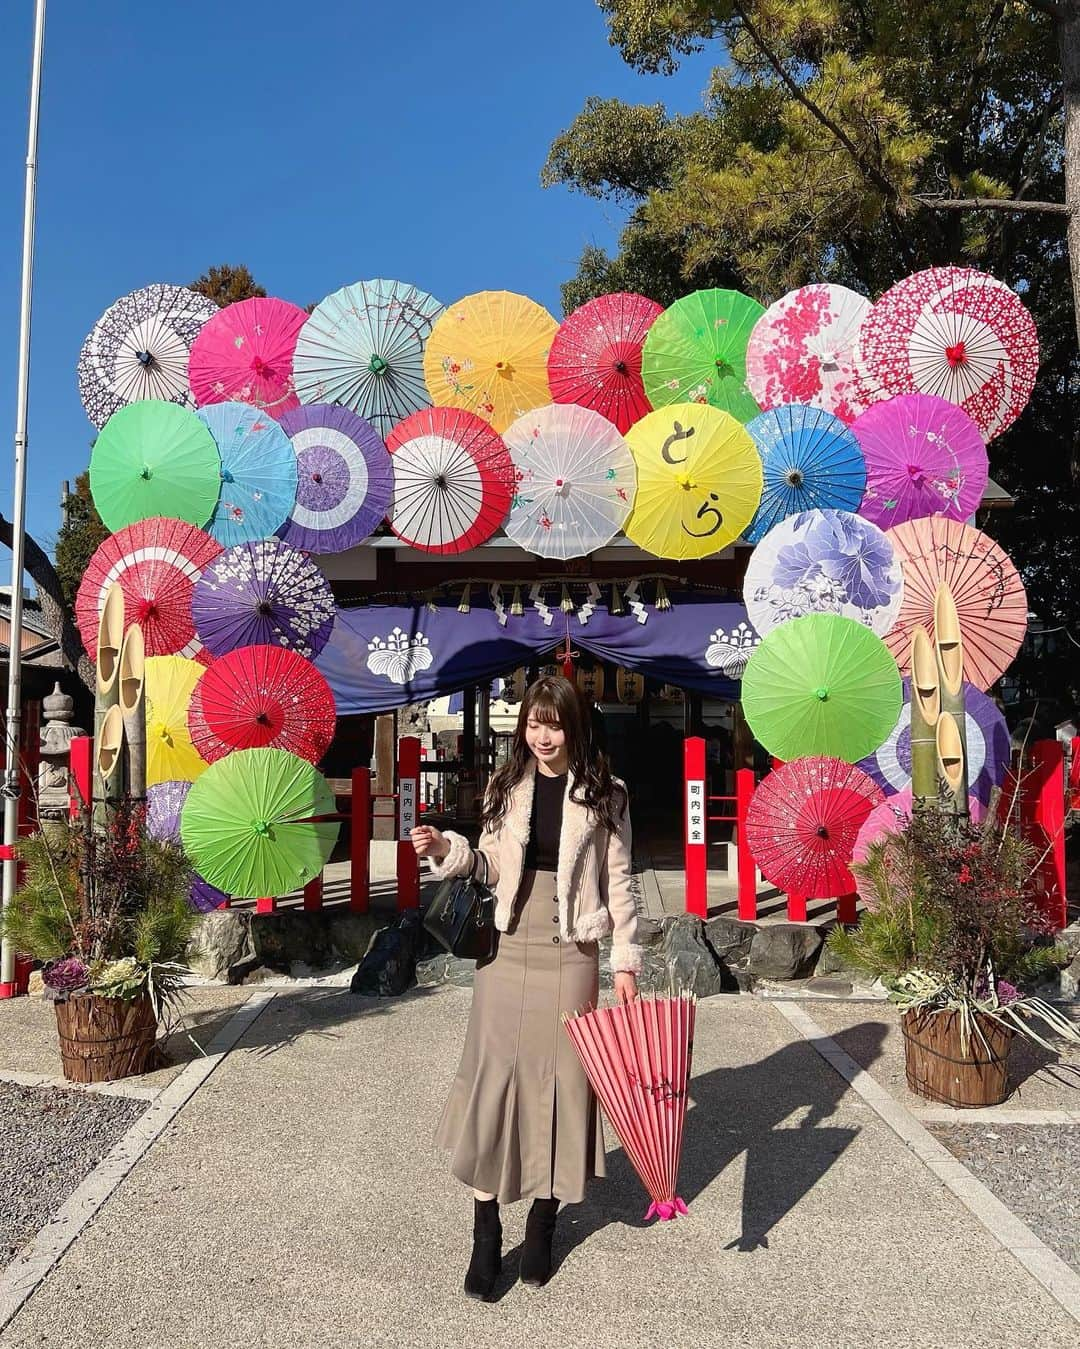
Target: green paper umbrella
695	352
823	684
154	458
247	824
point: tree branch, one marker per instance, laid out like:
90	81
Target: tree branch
1058	12
992	204
54	610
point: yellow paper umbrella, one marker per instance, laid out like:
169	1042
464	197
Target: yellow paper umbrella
170	755
488	354
698	480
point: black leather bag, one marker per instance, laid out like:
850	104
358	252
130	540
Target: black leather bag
461	917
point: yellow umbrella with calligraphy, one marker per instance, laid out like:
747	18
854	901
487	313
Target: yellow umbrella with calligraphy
488	354
698	481
170	754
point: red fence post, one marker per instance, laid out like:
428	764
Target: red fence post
360	840
268	904
81	774
747	868
313	893
408	864
847	909
697	880
1048	762
796	908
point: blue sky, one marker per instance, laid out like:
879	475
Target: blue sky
318	143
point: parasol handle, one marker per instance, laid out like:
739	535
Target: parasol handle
664	1210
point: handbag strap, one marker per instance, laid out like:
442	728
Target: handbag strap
472	870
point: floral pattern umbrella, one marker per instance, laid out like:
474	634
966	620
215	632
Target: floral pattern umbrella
258	472
363	347
595	359
803	821
157	563
344	479
809	460
802	350
575	481
263	594
245	355
695	352
990	600
164	802
892	816
958	334
139	349
824	562
924	456
989	747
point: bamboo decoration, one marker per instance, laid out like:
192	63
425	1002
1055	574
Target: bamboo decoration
133	709
952	772
925	712
108	764
107	680
949	649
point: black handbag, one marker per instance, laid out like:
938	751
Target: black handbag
461	917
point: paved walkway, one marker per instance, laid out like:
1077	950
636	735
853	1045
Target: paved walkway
296	1199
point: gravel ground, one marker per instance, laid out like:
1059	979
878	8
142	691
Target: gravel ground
50	1139
1032	1168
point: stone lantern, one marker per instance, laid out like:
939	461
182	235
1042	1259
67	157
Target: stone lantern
57	733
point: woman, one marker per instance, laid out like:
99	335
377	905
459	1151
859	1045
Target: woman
521	1120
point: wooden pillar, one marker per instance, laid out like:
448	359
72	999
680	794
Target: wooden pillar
384	821
483	735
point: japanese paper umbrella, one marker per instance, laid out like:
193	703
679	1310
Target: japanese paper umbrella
958	334
575	481
488	354
245	355
157	563
170	755
263	593
821	685
803	350
803	821
809	460
990	601
262	696
453	479
924	456
251	825
154	459
595	359
698	481
695	352
344	480
139	350
164	801
258	472
363	347
989	747
892	816
824	562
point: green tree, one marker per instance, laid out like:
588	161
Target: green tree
227	284
83	529
856	141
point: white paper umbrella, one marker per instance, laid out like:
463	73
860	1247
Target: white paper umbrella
575	481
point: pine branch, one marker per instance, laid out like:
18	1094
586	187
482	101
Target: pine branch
991	204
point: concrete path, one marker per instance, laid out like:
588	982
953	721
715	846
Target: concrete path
296	1200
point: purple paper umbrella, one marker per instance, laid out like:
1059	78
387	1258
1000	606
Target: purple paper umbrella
164	802
924	456
263	594
344	478
204	897
988	746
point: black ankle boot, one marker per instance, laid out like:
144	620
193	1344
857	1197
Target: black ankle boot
536	1252
486	1262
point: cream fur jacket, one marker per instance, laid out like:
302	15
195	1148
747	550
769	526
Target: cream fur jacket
593	876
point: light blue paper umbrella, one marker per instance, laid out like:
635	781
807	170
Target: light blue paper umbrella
810	461
363	347
258	473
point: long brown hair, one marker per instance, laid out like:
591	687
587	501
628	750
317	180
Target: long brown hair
553	698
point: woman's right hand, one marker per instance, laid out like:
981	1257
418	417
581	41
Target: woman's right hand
429	842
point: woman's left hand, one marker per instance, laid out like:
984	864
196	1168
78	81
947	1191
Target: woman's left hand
626	989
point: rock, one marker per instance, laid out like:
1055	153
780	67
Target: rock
221	941
650	931
833	988
1069	979
278	939
690	964
784	950
445	969
729	938
350	934
389	964
257	974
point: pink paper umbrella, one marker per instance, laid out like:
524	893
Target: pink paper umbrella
924	456
244	354
892	816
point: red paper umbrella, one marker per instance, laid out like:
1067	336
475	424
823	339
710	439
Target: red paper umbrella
453	480
157	563
803	822
262	696
595	358
958	334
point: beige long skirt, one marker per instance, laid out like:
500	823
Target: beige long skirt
521	1120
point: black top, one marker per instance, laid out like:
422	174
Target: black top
542	850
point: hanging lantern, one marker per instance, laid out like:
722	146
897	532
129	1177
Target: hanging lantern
591	683
629	686
516	686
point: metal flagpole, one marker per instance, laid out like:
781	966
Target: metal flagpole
12	737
